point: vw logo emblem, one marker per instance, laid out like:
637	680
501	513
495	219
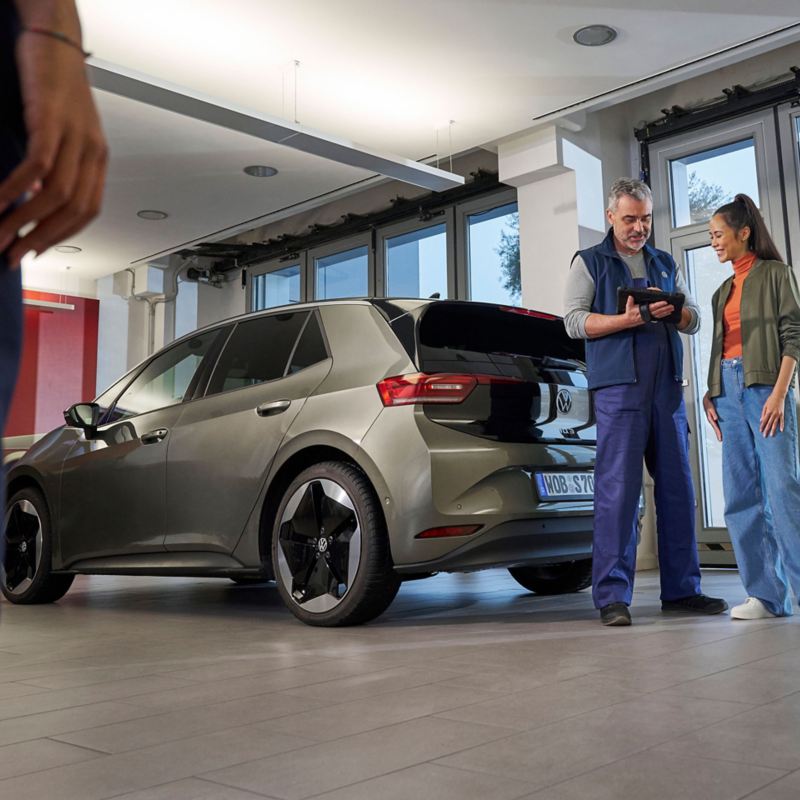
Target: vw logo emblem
323	545
563	401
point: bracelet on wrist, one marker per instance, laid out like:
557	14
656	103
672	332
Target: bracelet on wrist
59	36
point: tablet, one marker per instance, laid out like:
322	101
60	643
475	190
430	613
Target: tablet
647	296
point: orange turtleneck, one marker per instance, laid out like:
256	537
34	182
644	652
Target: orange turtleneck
731	319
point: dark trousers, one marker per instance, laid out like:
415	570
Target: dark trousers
644	421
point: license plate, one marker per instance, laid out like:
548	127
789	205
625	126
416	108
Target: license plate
565	485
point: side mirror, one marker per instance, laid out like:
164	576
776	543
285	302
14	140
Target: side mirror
83	415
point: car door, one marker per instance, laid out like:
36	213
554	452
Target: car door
224	442
113	484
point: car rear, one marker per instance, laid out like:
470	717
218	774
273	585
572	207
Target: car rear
489	446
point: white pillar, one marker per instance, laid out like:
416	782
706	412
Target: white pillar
548	214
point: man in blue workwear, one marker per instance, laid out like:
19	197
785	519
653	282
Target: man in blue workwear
635	369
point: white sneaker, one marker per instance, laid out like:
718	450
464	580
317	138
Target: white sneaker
752	608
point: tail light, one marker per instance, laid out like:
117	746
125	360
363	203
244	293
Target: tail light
403	390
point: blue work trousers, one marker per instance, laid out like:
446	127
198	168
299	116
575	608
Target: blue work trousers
643	421
761	483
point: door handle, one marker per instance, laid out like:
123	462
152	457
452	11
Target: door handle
275	407
151	437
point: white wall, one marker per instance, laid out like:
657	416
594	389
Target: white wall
64	282
112	334
214	304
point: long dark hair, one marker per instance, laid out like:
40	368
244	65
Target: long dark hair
744	212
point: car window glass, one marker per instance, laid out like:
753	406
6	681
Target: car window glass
257	351
311	347
164	381
107	398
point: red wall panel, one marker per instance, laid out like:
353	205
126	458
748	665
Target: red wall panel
59	362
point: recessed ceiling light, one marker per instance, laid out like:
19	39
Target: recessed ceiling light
67	248
260	171
594	35
149	213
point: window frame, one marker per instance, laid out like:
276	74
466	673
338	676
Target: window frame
447	218
759	126
464	210
341	246
276	265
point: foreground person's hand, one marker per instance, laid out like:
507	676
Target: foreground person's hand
711	415
62	175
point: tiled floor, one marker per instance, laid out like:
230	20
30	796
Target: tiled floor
469	687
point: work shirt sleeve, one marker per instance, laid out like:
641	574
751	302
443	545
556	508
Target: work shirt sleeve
690	304
578	298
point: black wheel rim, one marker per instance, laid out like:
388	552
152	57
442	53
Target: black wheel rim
23	547
319	545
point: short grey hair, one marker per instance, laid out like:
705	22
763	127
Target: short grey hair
632	187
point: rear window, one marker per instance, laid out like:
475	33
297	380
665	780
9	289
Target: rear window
481	338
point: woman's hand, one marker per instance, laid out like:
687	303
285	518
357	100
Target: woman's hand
772	415
711	416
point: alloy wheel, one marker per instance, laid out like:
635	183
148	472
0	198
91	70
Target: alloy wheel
23	540
319	545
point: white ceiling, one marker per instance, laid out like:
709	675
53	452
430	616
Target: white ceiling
388	75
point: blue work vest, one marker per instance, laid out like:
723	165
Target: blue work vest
609	359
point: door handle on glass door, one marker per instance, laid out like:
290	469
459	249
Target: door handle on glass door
275	407
151	437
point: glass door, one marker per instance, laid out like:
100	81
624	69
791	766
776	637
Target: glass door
693	174
704	274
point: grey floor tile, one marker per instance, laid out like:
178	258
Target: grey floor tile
52	723
767	736
18	689
191	789
332	765
37	755
787	788
364	714
369	684
54	699
742	684
658	776
188	722
235	688
555	752
108	776
432	782
542	705
789	660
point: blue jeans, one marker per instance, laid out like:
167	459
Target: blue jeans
761	482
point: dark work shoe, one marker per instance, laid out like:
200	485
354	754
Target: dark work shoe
696	604
615	614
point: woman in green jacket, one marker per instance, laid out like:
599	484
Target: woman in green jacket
750	404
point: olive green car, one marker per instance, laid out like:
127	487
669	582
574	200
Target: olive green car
336	447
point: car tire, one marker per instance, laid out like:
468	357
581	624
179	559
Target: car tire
330	549
26	576
564	578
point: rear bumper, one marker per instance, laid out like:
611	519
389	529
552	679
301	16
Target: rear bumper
516	543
